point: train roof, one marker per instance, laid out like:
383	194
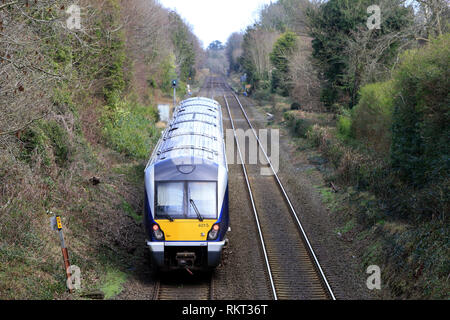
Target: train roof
195	132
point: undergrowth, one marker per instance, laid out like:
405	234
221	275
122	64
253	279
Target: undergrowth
397	226
130	128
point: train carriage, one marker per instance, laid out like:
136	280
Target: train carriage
186	189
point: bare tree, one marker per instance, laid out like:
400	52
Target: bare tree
436	15
370	56
146	25
305	84
234	50
40	52
27	72
287	15
257	48
216	61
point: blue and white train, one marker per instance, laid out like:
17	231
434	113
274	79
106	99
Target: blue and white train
186	189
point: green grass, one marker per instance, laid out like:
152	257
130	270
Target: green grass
25	276
130	129
134	172
130	211
349	226
344	125
113	283
373	254
329	198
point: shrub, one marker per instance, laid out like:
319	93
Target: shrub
34	141
372	117
131	129
48	140
344	125
420	132
298	125
328	96
295	106
262	94
59	140
301	127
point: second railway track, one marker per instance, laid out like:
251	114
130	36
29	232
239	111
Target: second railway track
292	267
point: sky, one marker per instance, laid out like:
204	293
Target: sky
216	19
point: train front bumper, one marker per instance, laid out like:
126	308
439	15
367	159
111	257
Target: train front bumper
214	250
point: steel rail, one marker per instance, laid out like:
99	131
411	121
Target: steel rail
309	246
165	290
269	270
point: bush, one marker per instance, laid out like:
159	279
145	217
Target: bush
34	141
344	125
372	117
168	73
48	140
298	125
420	132
131	129
295	106
301	127
59	140
328	96
262	94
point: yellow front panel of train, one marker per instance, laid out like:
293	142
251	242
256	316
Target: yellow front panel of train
186	230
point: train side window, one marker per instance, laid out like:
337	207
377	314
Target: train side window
170	200
205	197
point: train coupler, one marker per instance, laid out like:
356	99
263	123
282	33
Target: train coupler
185	259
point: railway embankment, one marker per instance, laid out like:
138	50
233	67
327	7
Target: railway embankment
77	122
378	219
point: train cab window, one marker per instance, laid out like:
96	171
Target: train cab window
204	198
170	200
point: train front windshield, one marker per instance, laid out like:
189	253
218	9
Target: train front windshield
185	200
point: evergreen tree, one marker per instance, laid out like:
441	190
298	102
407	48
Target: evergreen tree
279	57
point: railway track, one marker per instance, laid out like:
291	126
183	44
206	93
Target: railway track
181	286
293	270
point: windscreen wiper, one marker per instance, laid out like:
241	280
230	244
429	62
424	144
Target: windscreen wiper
166	216
199	216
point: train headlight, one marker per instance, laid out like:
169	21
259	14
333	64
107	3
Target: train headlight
159	235
212	235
